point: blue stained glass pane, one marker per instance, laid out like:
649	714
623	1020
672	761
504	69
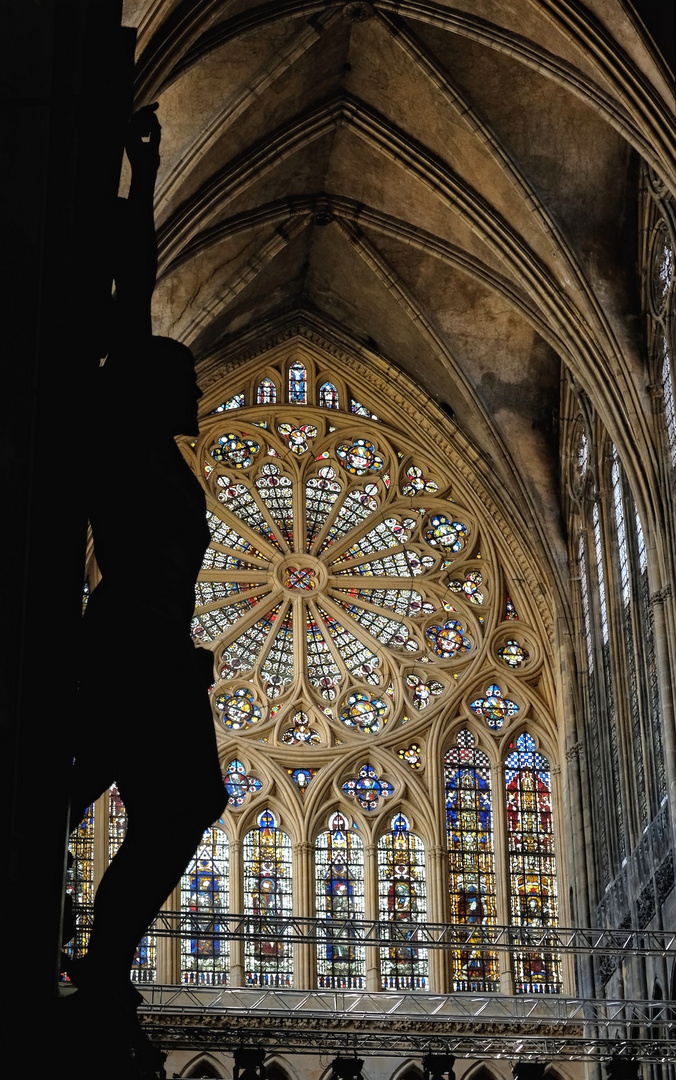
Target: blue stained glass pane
204	894
402	903
267	896
328	396
339	863
297	384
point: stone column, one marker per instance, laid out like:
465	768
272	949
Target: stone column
304	953
168	955
237	907
436	872
371	913
502	881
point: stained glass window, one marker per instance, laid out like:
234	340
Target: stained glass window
402	903
297	384
532	864
339	865
267	896
80	881
328	396
469	830
143	968
204	894
266	392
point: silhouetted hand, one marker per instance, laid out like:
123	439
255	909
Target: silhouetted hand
143	141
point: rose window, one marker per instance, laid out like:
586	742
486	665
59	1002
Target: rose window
342	587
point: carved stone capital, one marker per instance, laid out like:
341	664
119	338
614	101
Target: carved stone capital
661	596
574	751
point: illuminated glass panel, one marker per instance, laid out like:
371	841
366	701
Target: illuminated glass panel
668	398
238	785
403	601
204	894
367	788
402	903
628	627
532	864
267	896
297	384
143	969
243	652
236	402
321	495
80	881
357	657
239	501
339	864
323	671
357	507
266	392
469	831
650	659
276	670
276	491
328	396
608	685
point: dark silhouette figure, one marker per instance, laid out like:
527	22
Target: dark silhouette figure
143	719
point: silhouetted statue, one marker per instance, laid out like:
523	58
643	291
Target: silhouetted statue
143	721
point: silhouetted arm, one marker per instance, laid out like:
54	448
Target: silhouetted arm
136	244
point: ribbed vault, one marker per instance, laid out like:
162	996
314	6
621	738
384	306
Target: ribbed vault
450	187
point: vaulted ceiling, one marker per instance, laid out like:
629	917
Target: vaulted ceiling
451	186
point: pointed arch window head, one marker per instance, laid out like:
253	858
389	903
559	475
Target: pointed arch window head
402	902
204	894
328	396
267	897
532	862
339	866
297	384
469	831
266	392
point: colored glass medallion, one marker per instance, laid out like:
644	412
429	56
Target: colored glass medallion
415	483
300	578
239	707
411	755
510	610
513	654
297	437
301	732
446	534
448	640
365	713
301	778
494	708
359	457
422	692
471	587
367	788
238	785
235	451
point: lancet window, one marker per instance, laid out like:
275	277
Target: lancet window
267	896
339	862
402	903
204	895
